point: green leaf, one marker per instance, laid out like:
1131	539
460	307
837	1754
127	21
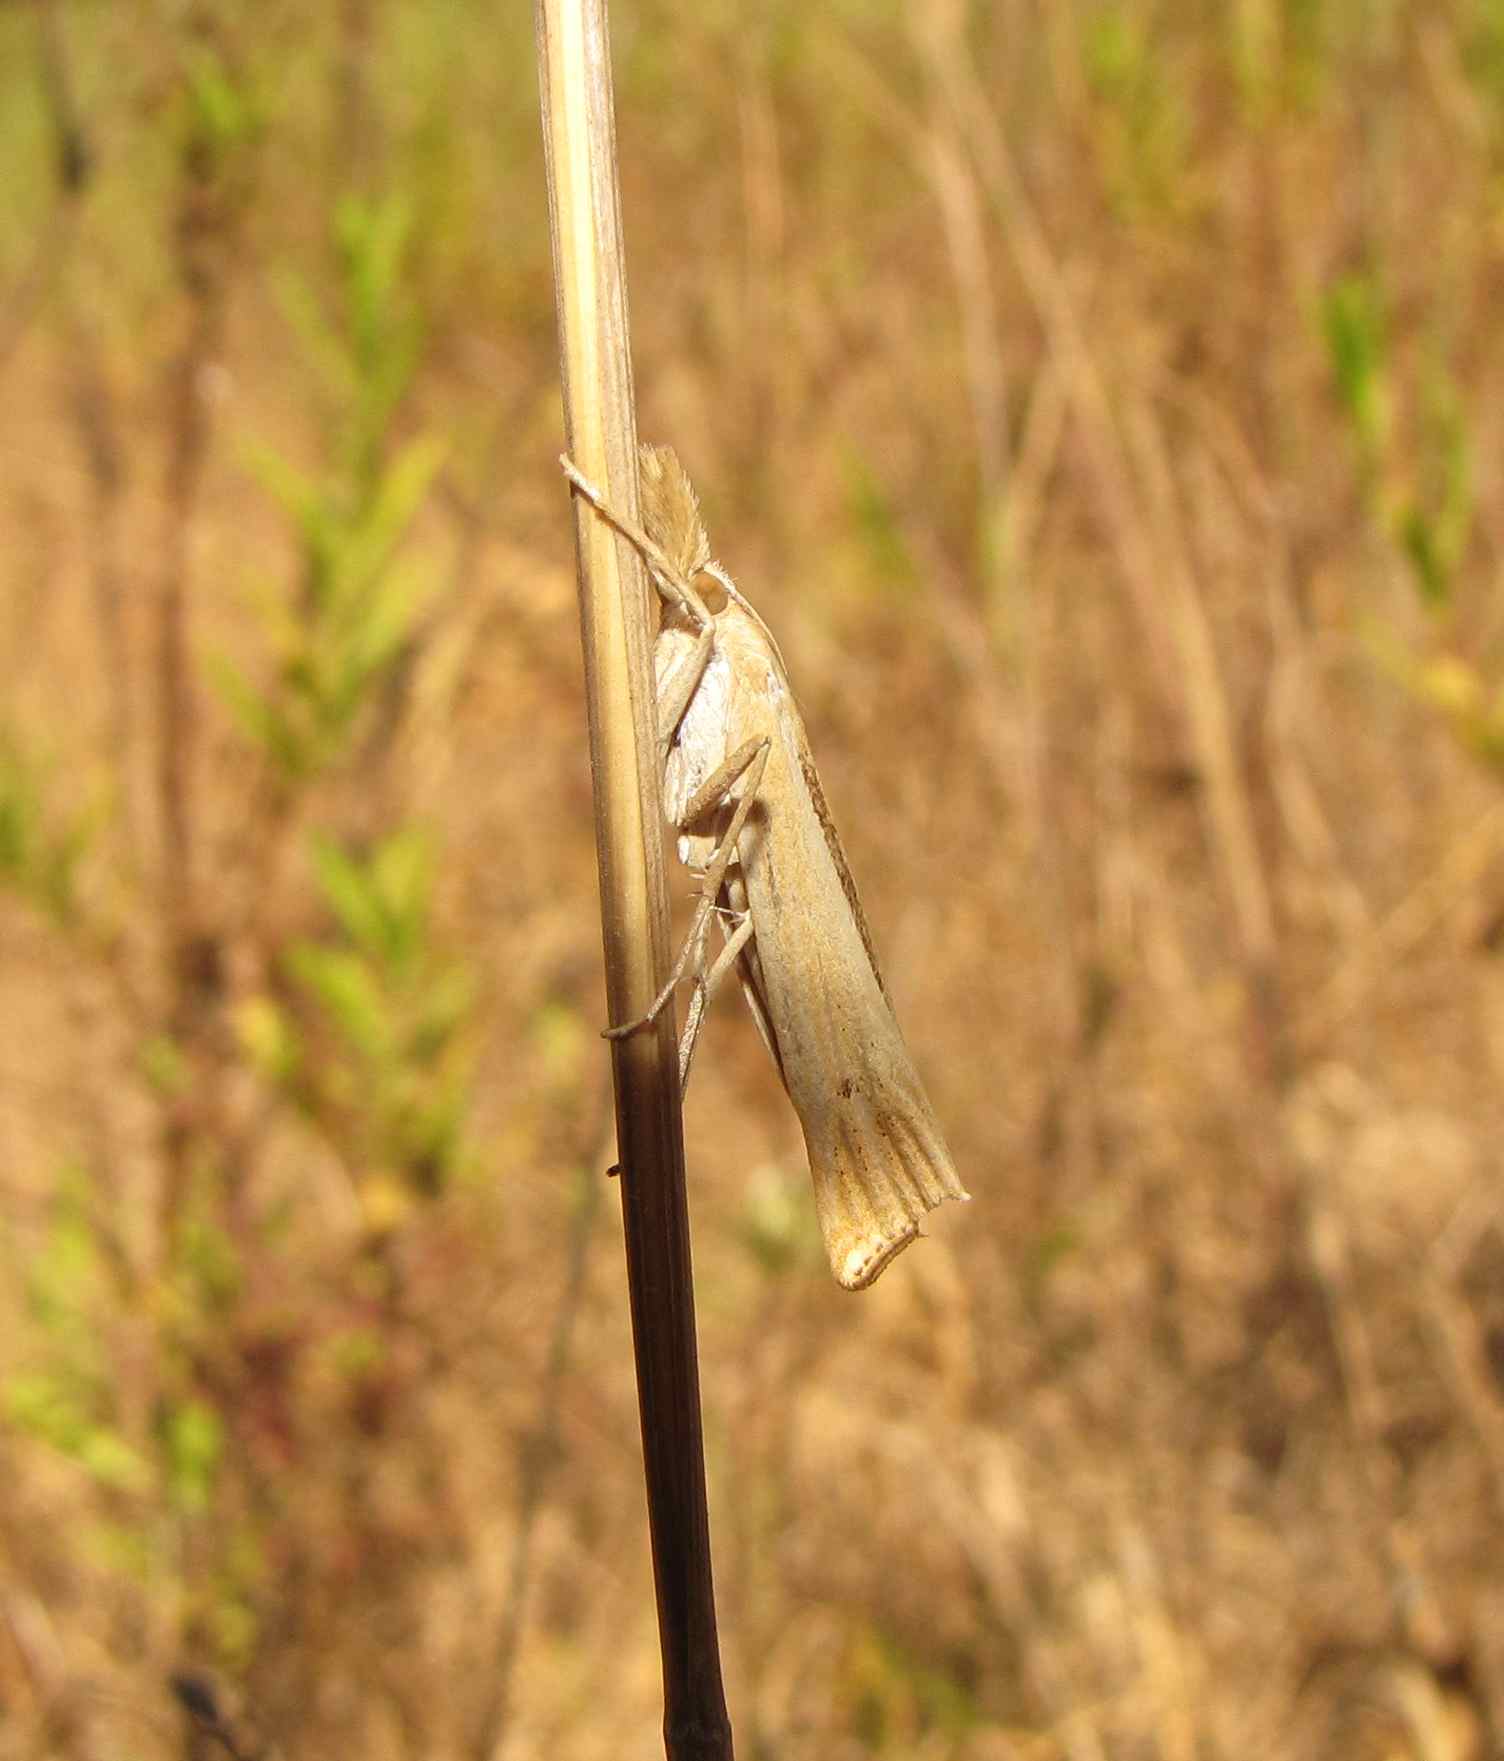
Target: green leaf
164	1064
357	1352
292	491
383	631
398	494
877	523
776	1225
896	1693
324	347
559	1033
40	851
372	235
350	893
210	1264
345	986
58	1409
221	109
402	871
447	1001
109	1459
1114	51
46	1407
261	720
1419	541
1353	323
193	1441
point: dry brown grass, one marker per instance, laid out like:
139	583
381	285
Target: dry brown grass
995	343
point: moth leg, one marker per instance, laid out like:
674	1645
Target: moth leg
749	761
675	693
678	688
691	952
705	988
668	579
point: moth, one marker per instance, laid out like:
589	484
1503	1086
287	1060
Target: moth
741	789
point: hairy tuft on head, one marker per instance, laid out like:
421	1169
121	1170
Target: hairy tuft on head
671	510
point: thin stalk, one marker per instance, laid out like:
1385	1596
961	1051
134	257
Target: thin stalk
198	230
214	173
574	73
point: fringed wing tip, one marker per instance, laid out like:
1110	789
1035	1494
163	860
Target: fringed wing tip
879	1167
862	1263
856	1264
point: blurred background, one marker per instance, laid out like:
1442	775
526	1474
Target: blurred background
1102	400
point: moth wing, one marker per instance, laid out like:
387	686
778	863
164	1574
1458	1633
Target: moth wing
880	1165
876	1153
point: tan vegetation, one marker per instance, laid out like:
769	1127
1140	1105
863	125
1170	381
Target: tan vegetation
1102	401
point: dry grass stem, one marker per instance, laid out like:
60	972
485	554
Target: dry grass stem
600	426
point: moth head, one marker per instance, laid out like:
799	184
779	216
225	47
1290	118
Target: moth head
671	510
